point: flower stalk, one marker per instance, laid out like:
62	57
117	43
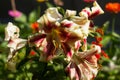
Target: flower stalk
13	5
113	23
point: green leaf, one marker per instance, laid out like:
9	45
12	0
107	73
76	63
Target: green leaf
92	35
61	10
2	28
32	16
106	25
22	18
49	4
106	40
116	35
21	64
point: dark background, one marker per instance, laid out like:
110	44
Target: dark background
26	6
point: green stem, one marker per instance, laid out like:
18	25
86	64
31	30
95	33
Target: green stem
39	12
113	29
113	23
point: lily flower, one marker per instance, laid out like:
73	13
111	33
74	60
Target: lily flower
58	34
62	34
12	36
14	42
83	65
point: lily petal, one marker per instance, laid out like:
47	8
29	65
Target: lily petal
17	43
96	10
11	32
52	15
70	13
83	66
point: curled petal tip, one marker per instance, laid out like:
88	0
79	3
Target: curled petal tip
97	5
